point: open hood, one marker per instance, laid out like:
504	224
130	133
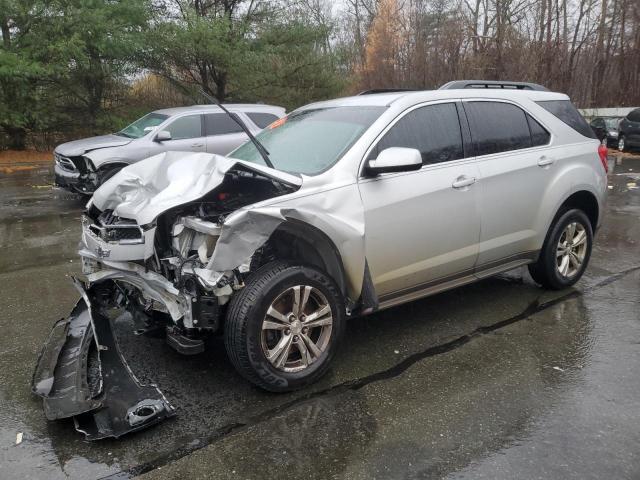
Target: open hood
80	147
145	189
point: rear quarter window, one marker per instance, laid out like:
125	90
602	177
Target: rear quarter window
539	135
565	111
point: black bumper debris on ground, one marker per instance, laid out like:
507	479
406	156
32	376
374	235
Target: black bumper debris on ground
81	374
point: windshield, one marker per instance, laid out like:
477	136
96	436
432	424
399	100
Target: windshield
612	123
143	125
310	141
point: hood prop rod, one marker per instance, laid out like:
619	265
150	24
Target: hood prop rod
261	149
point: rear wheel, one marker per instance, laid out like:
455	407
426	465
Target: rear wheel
566	251
284	327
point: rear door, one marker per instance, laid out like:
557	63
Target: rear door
422	227
223	133
515	167
186	134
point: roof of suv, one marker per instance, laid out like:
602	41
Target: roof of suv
242	107
386	99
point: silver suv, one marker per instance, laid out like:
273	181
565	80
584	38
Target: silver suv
83	165
370	201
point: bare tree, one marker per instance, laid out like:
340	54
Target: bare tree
589	49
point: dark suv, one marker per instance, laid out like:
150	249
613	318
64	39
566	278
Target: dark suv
630	131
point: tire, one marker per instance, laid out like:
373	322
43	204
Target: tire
248	342
553	272
107	173
622	144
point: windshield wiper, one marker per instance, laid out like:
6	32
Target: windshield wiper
261	150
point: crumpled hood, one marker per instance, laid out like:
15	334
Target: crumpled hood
144	190
79	147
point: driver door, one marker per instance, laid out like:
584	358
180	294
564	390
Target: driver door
422	227
186	135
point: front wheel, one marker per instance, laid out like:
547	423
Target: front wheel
106	173
621	144
283	328
566	251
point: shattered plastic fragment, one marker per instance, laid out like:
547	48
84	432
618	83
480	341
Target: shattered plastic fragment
123	395
61	376
92	383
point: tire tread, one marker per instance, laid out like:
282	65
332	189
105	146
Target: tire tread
239	314
542	271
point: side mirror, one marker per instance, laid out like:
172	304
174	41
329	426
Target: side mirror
162	136
395	159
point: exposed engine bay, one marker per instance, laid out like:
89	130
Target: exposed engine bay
175	253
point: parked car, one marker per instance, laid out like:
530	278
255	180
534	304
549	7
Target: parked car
606	129
342	208
83	165
629	136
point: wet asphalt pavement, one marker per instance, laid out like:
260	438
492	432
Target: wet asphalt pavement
494	380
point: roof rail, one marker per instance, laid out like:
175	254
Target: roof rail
507	85
386	90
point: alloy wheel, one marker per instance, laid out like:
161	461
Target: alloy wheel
571	249
296	330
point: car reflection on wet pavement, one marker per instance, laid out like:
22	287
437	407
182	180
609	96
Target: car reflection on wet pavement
494	380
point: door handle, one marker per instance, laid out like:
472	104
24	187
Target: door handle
463	181
197	144
545	161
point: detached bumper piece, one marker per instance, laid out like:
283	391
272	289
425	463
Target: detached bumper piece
82	374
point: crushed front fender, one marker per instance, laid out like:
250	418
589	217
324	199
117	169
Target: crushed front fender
78	376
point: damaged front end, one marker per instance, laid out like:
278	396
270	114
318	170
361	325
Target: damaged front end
75	173
155	242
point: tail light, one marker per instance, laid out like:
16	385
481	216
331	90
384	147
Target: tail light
602	152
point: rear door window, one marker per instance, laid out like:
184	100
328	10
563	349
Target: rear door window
497	127
262	119
565	111
434	130
186	127
220	124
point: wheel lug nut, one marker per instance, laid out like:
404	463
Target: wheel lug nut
287	331
305	330
295	338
